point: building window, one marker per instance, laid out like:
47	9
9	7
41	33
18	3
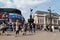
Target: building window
59	22
55	21
48	21
41	20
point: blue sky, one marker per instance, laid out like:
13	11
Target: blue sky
25	5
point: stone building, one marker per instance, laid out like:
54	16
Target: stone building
43	18
59	21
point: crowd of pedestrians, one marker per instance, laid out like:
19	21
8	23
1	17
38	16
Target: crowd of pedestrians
23	27
17	27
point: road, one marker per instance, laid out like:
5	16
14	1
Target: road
39	35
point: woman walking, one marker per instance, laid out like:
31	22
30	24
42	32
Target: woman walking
17	27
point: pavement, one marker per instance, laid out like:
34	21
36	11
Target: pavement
39	35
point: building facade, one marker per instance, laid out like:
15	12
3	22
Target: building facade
43	18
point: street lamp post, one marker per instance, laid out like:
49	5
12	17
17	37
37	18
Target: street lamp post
31	20
31	12
50	18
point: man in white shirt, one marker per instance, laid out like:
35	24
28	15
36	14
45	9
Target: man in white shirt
53	28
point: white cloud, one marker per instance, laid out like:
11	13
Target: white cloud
21	3
7	3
